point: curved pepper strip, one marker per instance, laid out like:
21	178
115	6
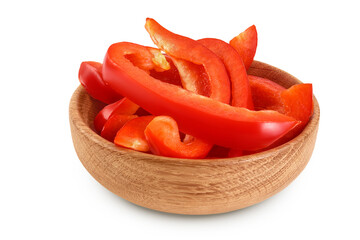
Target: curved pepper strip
195	79
155	61
266	94
201	72
132	135
174	45
296	102
163	137
245	44
196	115
240	89
90	77
170	76
123	106
113	124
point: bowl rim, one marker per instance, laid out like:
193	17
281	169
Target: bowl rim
77	119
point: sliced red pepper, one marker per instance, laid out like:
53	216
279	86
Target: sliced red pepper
195	79
163	137
154	61
132	136
90	77
170	76
196	115
192	51
157	61
113	124
245	44
196	69
123	106
266	94
296	102
240	89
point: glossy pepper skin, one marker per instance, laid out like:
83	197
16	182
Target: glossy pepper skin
169	76
240	89
114	124
90	77
162	134
174	45
245	44
195	77
266	94
132	135
123	106
229	126
296	102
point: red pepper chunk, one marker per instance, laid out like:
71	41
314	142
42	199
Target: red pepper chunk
174	45
266	94
196	76
90	77
296	102
245	44
195	79
113	124
196	115
163	137
170	76
132	135
123	106
240	89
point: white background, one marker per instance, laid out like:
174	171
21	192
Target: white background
45	192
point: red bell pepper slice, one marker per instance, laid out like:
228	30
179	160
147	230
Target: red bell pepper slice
240	89
296	102
163	137
187	49
266	94
194	78
132	136
196	115
170	76
245	44
113	124
123	106
90	77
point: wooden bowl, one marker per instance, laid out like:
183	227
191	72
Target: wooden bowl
186	186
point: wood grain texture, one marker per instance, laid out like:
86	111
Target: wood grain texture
186	186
